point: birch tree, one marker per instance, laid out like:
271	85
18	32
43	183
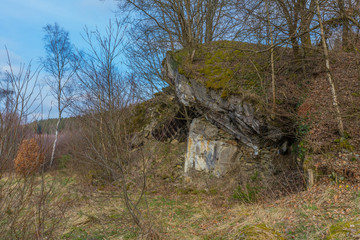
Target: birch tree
58	63
328	72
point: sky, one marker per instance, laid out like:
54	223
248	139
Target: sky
22	22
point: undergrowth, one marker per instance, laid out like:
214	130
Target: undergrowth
326	211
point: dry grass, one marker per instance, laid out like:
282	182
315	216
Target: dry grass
177	214
100	214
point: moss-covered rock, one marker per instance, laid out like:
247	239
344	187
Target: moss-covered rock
222	82
228	66
161	117
217	83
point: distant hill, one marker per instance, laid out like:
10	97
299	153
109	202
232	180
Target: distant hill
48	126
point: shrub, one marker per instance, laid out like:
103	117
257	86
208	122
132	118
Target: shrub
29	157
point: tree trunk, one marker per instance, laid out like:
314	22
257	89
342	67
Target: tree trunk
209	21
346	28
306	16
272	62
55	141
306	40
294	44
328	73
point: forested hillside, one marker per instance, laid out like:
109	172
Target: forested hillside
48	126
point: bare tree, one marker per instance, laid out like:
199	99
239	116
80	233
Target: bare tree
58	63
343	15
271	61
298	16
328	72
17	102
107	100
24	203
185	23
144	60
160	26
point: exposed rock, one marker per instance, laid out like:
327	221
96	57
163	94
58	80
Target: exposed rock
208	149
235	131
213	150
239	117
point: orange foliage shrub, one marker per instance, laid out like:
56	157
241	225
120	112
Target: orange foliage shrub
29	157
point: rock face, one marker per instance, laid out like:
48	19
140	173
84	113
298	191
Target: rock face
208	150
234	115
231	131
215	151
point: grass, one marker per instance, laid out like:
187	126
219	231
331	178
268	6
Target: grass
180	215
325	211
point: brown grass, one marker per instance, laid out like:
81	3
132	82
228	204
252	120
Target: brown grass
198	215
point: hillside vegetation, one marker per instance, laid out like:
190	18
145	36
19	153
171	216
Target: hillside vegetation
192	119
206	207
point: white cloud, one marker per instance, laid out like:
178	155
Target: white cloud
15	59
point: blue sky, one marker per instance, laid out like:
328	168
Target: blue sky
21	23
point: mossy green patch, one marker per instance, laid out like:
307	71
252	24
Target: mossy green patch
258	232
162	108
343	143
308	163
232	67
79	233
355	94
139	118
344	230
